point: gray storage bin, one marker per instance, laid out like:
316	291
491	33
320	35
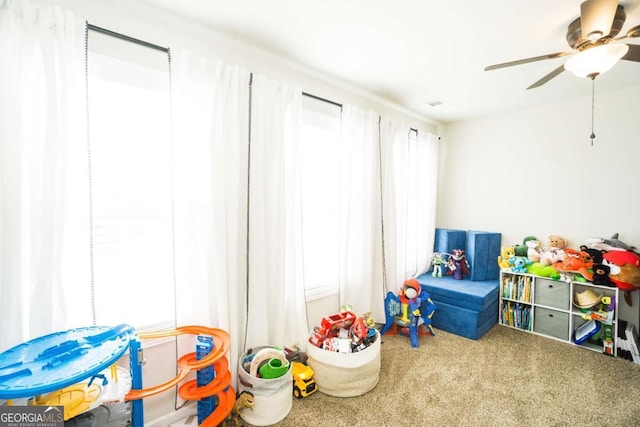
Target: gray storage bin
551	322
552	294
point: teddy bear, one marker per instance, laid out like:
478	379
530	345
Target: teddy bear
595	254
554	252
601	275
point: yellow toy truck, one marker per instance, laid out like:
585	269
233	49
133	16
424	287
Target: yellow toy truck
303	382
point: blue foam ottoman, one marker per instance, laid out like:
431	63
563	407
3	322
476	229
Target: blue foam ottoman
466	308
483	249
446	240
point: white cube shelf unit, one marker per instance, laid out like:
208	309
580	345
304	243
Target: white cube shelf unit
545	307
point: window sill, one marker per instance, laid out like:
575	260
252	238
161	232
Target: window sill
321	291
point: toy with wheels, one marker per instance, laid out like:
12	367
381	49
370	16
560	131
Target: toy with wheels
303	382
409	312
76	369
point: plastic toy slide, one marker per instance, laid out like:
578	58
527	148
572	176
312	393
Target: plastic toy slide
190	391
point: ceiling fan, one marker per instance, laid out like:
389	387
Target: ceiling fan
593	35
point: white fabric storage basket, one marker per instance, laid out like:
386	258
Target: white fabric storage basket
272	397
346	375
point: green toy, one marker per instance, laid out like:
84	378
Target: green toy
522	250
274	368
543	270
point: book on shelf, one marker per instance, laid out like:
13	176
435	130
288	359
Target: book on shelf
516	315
517	288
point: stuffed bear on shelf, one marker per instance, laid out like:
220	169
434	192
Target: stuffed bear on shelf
554	252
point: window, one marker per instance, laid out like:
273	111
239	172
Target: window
131	182
320	165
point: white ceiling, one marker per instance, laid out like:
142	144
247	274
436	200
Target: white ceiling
411	52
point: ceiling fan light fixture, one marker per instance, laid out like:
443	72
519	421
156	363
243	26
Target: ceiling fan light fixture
595	35
596	60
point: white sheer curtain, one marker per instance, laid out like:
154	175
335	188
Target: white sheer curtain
426	166
394	149
277	309
210	111
409	182
361	281
42	125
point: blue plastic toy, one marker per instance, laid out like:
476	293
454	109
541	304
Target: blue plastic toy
409	312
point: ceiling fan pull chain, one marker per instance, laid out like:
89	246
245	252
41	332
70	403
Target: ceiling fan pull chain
593	89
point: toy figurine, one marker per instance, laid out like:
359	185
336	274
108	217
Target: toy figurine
243	400
411	311
436	262
368	319
607	341
459	264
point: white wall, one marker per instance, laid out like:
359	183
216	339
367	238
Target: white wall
534	172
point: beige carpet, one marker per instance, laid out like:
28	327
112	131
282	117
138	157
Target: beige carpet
507	378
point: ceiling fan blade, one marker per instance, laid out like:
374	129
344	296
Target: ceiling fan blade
633	54
596	17
526	61
631	33
548	77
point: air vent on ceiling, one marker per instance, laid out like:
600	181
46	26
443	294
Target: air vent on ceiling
435	103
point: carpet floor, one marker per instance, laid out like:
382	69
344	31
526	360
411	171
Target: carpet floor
507	378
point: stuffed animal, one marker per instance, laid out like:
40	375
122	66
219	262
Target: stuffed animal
574	262
625	271
554	252
612	244
595	254
601	275
533	250
543	271
519	264
521	250
506	253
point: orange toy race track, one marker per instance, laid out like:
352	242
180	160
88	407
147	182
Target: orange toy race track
190	391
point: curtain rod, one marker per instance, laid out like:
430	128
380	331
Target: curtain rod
126	38
336	104
166	50
322	99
